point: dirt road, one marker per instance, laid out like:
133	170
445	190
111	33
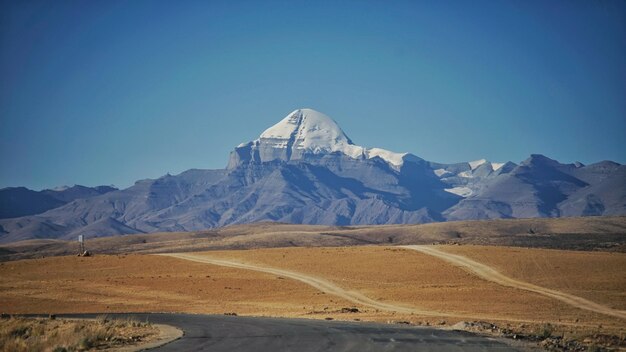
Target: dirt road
320	284
485	272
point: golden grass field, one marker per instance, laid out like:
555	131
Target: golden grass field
597	276
394	276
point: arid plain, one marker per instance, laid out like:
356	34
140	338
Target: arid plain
372	282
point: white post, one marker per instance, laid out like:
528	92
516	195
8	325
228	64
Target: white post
81	240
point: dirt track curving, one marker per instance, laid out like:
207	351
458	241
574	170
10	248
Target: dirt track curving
320	284
485	272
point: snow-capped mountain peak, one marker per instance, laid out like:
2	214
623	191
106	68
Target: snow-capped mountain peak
308	126
309	132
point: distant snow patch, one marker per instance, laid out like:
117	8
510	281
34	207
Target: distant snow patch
390	157
441	172
476	163
460	191
496	166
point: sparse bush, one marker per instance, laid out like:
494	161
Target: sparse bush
546	330
22	334
20	331
102	319
85	343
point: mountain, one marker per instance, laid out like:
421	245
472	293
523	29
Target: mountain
305	133
21	201
542	187
68	194
306	170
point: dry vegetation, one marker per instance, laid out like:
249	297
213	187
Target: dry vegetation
587	233
145	283
19	334
410	278
597	276
389	274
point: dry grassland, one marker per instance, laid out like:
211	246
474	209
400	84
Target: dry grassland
409	278
37	334
596	276
587	233
148	283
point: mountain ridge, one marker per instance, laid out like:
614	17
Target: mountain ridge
306	170
21	201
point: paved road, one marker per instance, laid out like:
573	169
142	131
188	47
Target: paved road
488	273
217	333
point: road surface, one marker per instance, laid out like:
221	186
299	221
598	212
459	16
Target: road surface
218	333
488	273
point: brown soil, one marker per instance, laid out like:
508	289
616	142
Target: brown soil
597	276
146	283
391	275
409	278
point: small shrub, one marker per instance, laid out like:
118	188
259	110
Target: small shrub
85	343
546	330
25	335
102	319
20	331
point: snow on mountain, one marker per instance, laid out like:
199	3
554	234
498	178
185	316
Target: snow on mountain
496	166
476	163
396	159
460	191
472	171
442	172
309	132
306	170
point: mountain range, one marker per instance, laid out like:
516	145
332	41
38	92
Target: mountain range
306	170
21	201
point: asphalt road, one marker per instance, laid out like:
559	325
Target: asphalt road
218	333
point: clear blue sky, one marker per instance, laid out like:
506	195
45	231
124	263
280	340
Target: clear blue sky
107	92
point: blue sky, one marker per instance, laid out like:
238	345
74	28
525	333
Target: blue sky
107	92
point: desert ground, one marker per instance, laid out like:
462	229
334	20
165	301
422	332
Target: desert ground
586	233
383	283
539	277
